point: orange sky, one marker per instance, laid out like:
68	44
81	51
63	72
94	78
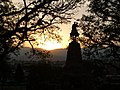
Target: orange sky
66	29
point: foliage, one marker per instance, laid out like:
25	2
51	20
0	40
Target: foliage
19	73
101	25
35	17
5	71
5	23
89	74
40	54
44	76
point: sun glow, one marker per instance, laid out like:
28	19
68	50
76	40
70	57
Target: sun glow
49	45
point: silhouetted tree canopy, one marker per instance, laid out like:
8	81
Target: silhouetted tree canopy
20	24
102	24
19	73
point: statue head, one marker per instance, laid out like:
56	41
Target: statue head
76	23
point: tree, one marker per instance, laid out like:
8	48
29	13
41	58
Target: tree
36	17
6	26
19	73
102	25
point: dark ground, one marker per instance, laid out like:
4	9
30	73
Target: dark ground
85	76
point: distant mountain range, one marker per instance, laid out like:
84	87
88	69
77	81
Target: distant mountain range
60	54
57	55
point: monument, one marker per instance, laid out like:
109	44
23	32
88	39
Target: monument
72	68
74	51
78	73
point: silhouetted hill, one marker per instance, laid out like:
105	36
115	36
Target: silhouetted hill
60	54
57	55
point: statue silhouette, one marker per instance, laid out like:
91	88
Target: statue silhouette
74	32
74	51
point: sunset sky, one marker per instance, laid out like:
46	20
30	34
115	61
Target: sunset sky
66	29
